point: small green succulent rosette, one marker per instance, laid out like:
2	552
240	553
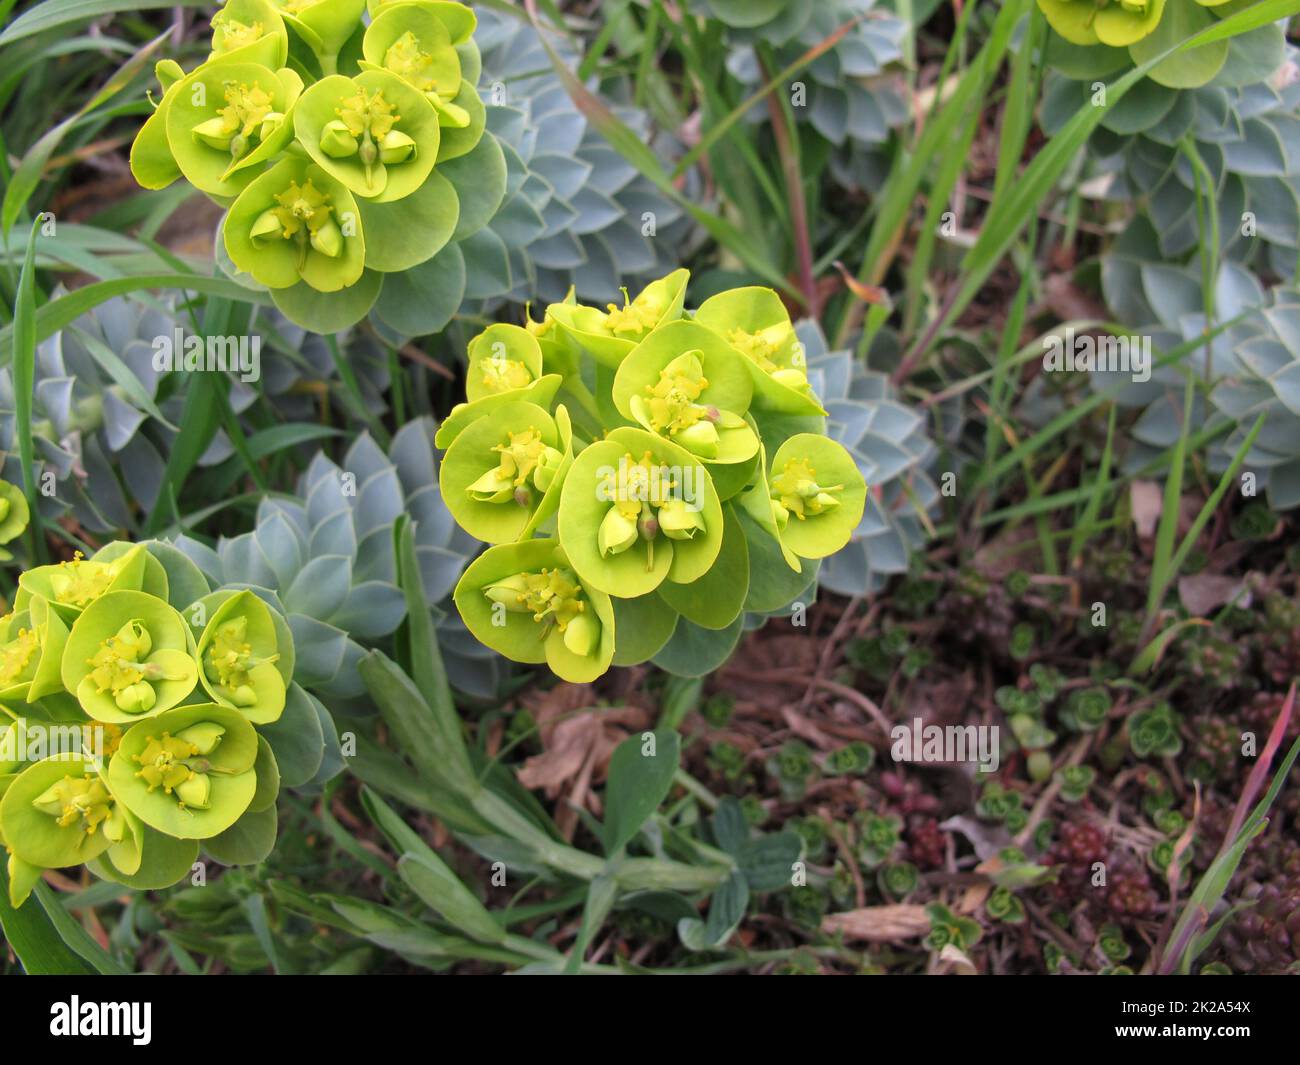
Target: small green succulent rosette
128	656
609	335
502	476
1117	23
685	383
413	42
323	25
297	222
189	772
31	653
73	585
636	510
61	812
812	500
14	516
239	651
225	119
755	322
250	31
526	601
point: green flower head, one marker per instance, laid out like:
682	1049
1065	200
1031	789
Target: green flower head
609	335
636	510
501	478
250	31
1117	23
413	42
755	322
238	652
458	18
31	652
323	25
60	812
541	393
129	655
296	222
525	601
686	384
502	358
14	516
72	586
375	133
813	497
225	119
189	772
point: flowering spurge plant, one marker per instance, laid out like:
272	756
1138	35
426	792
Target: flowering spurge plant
145	716
694	486
1096	38
323	133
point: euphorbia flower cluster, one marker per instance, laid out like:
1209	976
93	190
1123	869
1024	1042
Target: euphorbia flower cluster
128	714
689	483
320	131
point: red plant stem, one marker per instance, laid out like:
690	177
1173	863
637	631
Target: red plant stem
798	205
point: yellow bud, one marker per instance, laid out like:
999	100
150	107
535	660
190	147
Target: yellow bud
195	791
395	147
582	634
678	522
616	534
215	133
268	225
337	141
328	239
136	698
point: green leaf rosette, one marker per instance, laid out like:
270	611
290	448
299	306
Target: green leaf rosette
73	585
541	393
636	510
685	383
31	653
609	335
755	322
297	223
412	42
374	133
189	772
815	497
525	601
503	358
250	31
1117	23
60	812
226	118
14	516
502	476
129	655
238	654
